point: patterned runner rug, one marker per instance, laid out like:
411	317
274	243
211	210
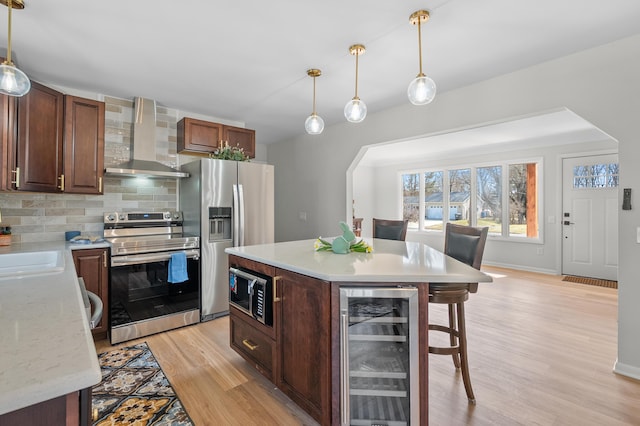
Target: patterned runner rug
590	281
135	391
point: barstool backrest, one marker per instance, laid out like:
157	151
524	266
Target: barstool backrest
465	243
390	229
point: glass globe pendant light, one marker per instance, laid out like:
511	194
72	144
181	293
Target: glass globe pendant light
13	82
355	111
314	124
422	89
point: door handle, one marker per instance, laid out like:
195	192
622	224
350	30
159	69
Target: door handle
566	222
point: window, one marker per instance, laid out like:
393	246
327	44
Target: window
523	195
410	199
596	176
433	201
459	196
489	198
502	196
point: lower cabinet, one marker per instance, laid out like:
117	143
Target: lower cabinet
253	345
72	409
304	343
296	353
92	266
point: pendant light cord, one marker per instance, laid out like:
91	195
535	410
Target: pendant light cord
9	37
314	95
357	55
420	46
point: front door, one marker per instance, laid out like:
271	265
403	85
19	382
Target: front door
590	216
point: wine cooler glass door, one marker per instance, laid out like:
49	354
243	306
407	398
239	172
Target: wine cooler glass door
379	356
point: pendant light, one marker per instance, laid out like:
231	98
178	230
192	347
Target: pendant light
314	124
13	82
355	111
422	89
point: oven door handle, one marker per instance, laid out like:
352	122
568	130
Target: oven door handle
149	258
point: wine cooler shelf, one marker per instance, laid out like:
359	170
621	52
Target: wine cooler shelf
366	410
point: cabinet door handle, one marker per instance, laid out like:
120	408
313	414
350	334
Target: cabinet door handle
104	258
275	289
249	344
16	172
61	179
100	184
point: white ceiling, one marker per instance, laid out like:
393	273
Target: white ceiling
561	127
246	60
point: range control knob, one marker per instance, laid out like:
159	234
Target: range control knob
167	215
176	216
111	217
122	216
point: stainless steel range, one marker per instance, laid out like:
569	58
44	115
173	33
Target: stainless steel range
154	282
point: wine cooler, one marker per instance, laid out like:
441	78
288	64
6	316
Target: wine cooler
379	356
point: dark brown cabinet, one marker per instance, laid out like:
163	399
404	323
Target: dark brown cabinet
72	409
253	345
243	138
295	354
204	137
304	343
254	341
83	145
7	136
40	140
52	142
92	266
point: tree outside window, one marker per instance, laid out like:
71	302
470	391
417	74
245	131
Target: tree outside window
489	198
523	197
411	199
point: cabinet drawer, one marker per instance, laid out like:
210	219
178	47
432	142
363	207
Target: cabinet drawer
254	346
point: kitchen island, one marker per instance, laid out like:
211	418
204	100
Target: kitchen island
300	352
48	361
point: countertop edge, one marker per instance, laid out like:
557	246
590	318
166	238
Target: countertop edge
475	275
83	374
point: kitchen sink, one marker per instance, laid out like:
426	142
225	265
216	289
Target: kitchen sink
37	262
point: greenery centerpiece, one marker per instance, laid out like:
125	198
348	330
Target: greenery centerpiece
227	152
344	243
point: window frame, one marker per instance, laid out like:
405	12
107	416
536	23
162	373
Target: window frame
473	202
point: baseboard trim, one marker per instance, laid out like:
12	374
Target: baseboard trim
626	370
522	268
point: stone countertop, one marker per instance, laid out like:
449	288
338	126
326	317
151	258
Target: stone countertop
46	346
390	261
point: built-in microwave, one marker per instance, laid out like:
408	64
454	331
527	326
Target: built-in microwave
252	293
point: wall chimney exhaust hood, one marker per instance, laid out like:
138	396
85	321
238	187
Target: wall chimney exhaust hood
143	163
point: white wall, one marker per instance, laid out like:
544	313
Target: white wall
599	84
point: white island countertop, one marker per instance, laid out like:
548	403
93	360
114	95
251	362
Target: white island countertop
390	261
46	347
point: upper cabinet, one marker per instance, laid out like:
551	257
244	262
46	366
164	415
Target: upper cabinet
52	142
204	137
83	145
7	136
39	144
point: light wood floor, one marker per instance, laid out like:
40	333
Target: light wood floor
541	352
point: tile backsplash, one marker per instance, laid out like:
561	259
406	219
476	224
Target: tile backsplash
45	217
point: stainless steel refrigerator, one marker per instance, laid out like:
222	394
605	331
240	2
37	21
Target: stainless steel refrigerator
228	203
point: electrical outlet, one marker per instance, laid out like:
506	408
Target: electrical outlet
540	251
302	216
